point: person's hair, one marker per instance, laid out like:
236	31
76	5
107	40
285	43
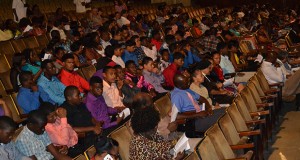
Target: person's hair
155	32
161	52
36	117
180	33
178	55
7	123
27	52
221	45
168	29
47	108
144	120
75	46
109	51
118	67
130	43
57	49
69	91
169	39
67	56
104	144
194	21
129	62
134	37
233	43
193	70
146	60
25	76
106	68
17	60
45	63
55	35
140	101
57	23
95	79
115	32
282	55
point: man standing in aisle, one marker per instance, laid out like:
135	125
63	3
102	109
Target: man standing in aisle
19	8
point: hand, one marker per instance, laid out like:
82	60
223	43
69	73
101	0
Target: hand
34	88
61	112
120	84
172	126
119	119
63	150
120	108
179	156
97	130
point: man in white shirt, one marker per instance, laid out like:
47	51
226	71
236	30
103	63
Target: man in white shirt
121	20
225	63
59	27
203	25
81	5
271	69
19	8
148	48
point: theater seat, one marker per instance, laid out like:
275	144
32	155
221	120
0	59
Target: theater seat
80	157
18	45
90	153
31	42
88	71
163	105
206	150
6	48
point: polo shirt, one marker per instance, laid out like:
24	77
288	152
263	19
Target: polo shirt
181	100
130	56
155	80
9	151
169	74
73	78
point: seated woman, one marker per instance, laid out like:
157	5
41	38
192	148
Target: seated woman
60	132
236	57
33	63
106	148
146	143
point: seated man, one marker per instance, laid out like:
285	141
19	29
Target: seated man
272	70
129	52
50	84
172	69
7	149
33	141
69	77
95	103
111	91
79	117
30	95
186	101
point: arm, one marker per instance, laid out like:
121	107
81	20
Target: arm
37	75
7	111
52	93
56	154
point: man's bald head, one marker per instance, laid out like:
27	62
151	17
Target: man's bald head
181	81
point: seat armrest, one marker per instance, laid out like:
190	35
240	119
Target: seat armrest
276	84
250	133
259	105
242	146
260	113
254	122
272	91
270	96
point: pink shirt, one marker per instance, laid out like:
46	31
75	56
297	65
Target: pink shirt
61	133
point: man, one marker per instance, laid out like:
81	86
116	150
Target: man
172	69
7	149
33	141
82	5
271	69
30	96
69	77
50	84
129	52
19	8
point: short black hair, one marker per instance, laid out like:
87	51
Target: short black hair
233	43
129	62
7	123
69	91
134	37
118	67
67	56
95	79
57	49
144	120
106	68
180	33
130	43
146	60
24	76
75	46
194	21
221	45
47	108
36	117
104	144
45	62
161	52
155	32
170	39
109	51
178	55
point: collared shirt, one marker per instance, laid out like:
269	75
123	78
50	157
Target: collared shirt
61	33
169	74
118	60
201	90
54	88
190	59
273	74
10	152
79	7
32	68
226	65
31	144
78	116
139	81
29	100
73	78
155	80
100	111
182	101
285	67
152	53
130	56
104	44
123	21
61	133
210	42
111	95
140	54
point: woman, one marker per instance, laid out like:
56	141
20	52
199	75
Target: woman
18	61
146	143
106	148
32	64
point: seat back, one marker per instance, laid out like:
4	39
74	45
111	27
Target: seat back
220	143
88	71
206	150
42	40
262	80
254	92
19	109
18	45
257	85
80	157
6	48
228	129
5	78
242	108
163	105
237	118
249	100
31	42
90	153
191	156
13	108
123	136
4	65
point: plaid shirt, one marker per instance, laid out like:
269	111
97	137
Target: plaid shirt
140	54
210	42
31	144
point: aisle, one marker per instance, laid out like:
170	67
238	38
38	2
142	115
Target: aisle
287	144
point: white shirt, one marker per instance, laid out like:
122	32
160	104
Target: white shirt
79	7
19	6
272	74
226	65
284	70
118	60
61	33
152	53
105	44
204	27
123	21
111	95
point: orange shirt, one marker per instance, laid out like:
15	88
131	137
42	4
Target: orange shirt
73	78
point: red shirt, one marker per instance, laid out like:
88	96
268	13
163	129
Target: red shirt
73	78
156	43
219	72
169	74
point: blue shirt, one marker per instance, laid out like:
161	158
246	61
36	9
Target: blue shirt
181	100
189	59
155	80
130	56
29	100
29	67
29	144
54	88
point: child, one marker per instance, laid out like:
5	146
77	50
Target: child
117	53
106	148
95	103
164	60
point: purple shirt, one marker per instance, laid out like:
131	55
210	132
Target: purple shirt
99	110
99	73
1	111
